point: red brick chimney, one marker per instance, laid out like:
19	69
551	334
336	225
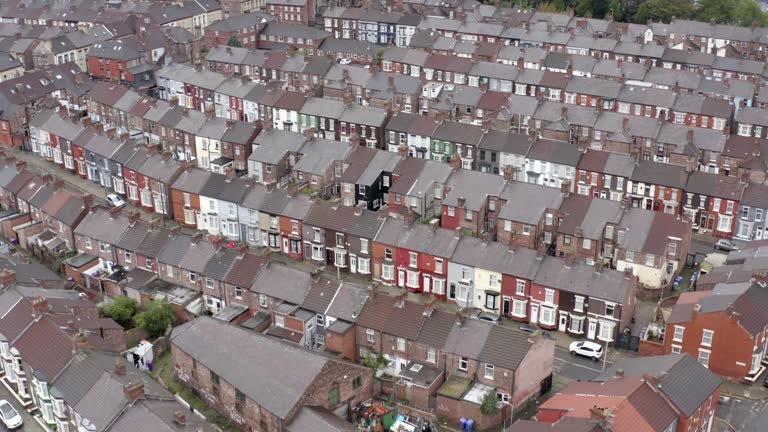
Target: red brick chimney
119	367
7	278
39	306
134	391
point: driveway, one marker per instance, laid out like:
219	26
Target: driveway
30	425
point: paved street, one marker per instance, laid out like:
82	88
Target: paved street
576	368
744	415
30	425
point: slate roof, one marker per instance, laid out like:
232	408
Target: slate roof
273	374
282	282
474	187
321	294
49	357
175	249
317	419
683	379
660	174
535	197
714	185
393	316
101	225
418	237
610	285
197	256
559	152
354	221
220	263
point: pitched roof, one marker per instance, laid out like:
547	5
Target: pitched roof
608	284
244	270
45	347
273	374
505	347
282	282
393	316
344	219
683	379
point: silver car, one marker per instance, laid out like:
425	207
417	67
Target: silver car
726	245
10	417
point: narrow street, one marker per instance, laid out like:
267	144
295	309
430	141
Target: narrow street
30	425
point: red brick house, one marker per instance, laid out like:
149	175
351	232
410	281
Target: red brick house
727	333
694	400
250	389
148	178
712	202
418	255
292	11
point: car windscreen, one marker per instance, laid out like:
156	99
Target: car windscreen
7	411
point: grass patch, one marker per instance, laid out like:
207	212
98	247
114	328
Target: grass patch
455	387
164	372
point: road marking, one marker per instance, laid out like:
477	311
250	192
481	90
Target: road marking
581	366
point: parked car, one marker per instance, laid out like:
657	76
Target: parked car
486	316
114	200
586	349
345	61
726	245
527	328
10	417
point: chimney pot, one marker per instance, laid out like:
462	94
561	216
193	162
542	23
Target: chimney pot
119	367
134	391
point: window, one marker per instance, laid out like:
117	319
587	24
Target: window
526	229
547	316
387	272
431	355
401	344
215	379
493	281
649	260
333	396
363	245
519	308
192	277
357	382
370	335
262	300
88	244
451	211
706	337
388	253
579	304
463	364
238	292
507	225
678	335
279	320
339	240
610	308
549	296
606	331
488	371
127	256
413	259
586	243
676	349
209	283
491	300
520	288
577	325
704	357
469	215
150	263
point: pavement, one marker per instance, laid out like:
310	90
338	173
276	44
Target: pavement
30	425
741	415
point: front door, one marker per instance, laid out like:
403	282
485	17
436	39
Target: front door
759	233
563	322
353	264
505	307
285	246
427	284
592	329
400	277
534	313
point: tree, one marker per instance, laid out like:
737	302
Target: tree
121	309
559	5
234	42
158	317
584	8
715	10
664	10
489	403
747	12
379	54
617	10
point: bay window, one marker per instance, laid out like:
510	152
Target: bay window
577	325
491	300
387	272
413	279
519	308
547	316
438	286
606	331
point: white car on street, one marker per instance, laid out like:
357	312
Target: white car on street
10	417
114	200
586	349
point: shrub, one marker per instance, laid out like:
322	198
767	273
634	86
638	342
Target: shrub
122	310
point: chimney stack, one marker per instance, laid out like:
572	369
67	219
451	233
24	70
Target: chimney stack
119	367
134	391
7	278
619	373
80	340
180	418
39	306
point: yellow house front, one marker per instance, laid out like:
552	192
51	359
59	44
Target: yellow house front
487	293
